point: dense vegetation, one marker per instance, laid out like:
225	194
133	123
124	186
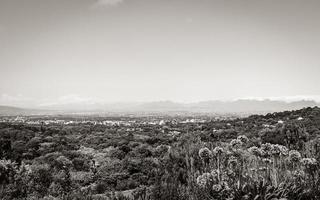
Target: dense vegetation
275	156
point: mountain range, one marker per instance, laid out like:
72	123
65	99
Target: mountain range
206	107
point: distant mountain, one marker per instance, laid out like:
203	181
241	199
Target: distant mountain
238	106
216	107
10	110
250	106
13	111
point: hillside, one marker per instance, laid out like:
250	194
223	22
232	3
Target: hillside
257	157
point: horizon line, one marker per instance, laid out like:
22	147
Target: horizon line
286	100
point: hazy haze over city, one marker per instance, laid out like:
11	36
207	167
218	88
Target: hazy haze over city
86	51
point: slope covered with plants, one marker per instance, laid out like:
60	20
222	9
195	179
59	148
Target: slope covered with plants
261	157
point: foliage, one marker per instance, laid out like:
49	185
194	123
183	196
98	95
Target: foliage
255	158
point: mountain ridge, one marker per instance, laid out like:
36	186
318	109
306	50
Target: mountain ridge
214	106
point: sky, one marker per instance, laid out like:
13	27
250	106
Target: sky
57	51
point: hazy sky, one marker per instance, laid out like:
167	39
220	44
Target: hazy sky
55	51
